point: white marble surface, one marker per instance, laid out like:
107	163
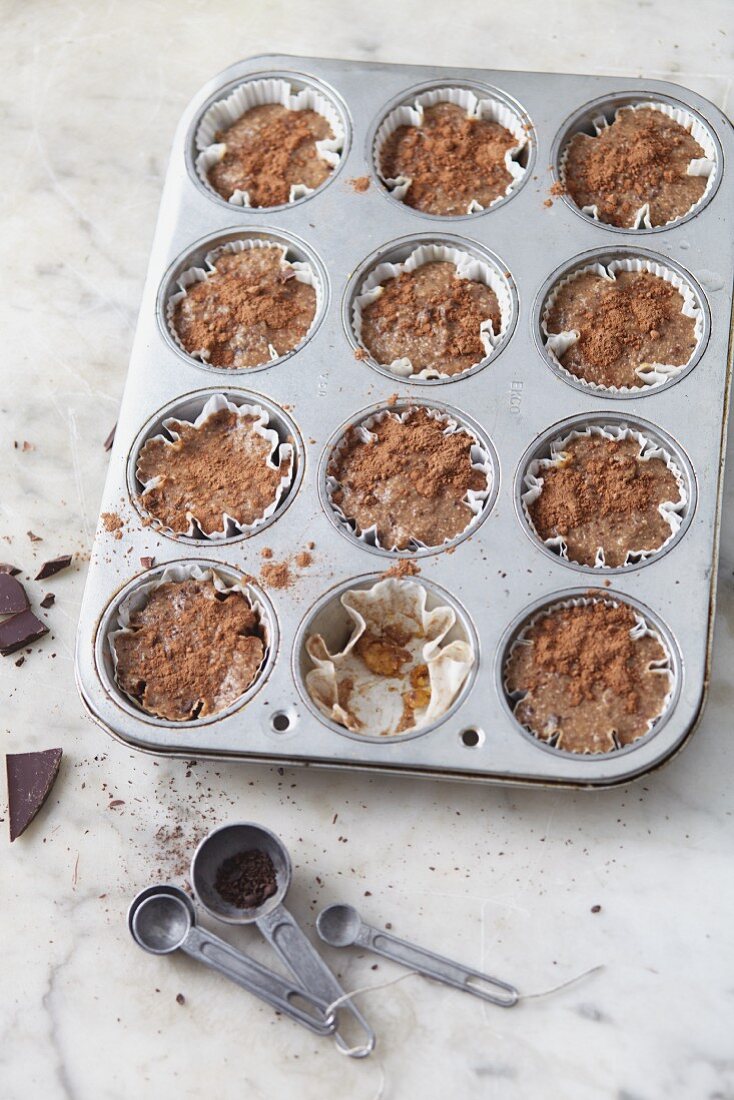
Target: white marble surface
504	879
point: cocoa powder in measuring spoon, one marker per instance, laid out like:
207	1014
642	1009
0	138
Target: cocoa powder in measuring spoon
247	879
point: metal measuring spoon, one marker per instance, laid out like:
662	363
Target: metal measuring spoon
162	919
341	926
272	918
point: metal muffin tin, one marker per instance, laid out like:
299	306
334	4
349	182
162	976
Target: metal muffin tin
500	574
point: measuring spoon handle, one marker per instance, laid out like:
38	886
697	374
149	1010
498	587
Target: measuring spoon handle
436	966
281	931
208	949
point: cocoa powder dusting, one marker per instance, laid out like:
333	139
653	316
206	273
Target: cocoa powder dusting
450	159
276	575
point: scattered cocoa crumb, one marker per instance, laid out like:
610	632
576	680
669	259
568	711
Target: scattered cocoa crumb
548	202
596	909
392	399
557	189
112	523
360	184
303	559
266	552
180	999
403	568
360	353
276	575
34	538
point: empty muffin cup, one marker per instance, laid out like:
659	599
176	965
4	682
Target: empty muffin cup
638	164
437	314
416	157
269	142
589	675
386	658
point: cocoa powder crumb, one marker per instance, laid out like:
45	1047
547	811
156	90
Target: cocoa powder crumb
360	353
360	184
112	523
276	575
266	552
304	559
403	568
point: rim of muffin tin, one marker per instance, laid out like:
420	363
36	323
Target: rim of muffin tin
539	448
299	657
299	81
193	256
187	407
559	599
484	90
397	251
580	121
105	625
360	415
605	256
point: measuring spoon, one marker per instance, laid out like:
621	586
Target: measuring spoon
272	918
342	926
162	919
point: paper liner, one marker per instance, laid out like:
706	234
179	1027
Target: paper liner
376	701
467	267
256	93
139	597
641	629
671	511
230	526
699	166
651	374
492	110
475	498
303	272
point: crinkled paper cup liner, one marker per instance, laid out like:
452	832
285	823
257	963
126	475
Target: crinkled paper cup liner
303	272
467	267
139	597
650	374
375	703
491	110
257	93
701	166
641	629
476	499
230	528
671	511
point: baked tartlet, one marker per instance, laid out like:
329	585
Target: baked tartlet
588	678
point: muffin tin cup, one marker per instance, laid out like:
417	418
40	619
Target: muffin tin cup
557	344
257	93
118	618
469	268
644	627
231	528
497	574
673	512
477	500
705	166
477	105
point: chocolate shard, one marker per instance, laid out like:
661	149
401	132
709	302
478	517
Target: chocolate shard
6	567
147	562
48	599
31	775
13	597
19	631
54	566
110	439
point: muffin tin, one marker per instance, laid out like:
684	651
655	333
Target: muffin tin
500	575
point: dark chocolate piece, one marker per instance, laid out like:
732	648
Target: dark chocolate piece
13	597
48	599
6	567
110	439
51	568
20	631
147	563
31	775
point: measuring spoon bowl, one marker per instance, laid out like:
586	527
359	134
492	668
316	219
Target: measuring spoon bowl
339	925
161	922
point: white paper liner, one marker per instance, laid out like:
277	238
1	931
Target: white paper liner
700	166
651	374
139	597
376	701
671	511
230	526
476	499
303	273
467	267
491	110
641	629
256	93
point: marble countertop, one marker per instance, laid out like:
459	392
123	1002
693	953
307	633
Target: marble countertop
504	879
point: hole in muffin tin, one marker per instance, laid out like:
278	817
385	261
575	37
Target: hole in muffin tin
472	738
330	618
526	158
396	252
281	721
540	448
581	121
109	622
188	408
195	256
558	601
347	528
298	82
604	257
